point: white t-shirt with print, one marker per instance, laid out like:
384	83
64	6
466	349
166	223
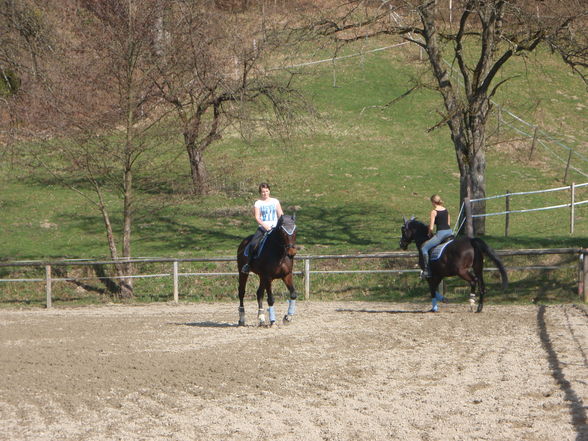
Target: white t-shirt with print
268	211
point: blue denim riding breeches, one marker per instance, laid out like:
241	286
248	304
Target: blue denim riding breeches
435	240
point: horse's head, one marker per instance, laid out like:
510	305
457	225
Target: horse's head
408	231
287	229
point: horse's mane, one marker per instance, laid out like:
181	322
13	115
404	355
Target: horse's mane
418	224
419	227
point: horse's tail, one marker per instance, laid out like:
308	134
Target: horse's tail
483	246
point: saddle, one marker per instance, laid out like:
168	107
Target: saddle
256	251
436	252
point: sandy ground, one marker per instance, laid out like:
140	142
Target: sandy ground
341	371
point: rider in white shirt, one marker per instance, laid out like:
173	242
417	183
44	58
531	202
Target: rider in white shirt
267	211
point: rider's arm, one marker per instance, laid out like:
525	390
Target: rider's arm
432	222
279	210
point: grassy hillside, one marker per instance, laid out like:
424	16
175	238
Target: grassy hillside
353	172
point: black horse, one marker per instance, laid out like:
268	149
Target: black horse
275	261
458	258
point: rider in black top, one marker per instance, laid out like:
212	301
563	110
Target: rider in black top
439	218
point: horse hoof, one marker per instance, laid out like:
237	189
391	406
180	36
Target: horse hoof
287	319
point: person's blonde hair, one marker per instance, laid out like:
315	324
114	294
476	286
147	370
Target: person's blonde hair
436	199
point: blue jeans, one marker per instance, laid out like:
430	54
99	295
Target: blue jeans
433	242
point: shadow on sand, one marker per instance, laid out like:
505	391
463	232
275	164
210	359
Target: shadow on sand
208	324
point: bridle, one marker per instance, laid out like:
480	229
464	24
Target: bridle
404	241
289	230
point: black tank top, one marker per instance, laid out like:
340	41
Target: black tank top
441	220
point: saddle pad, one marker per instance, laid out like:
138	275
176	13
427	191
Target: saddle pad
436	252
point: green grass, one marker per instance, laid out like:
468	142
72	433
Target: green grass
354	173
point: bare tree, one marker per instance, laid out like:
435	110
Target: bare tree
26	40
485	35
212	73
25	37
101	100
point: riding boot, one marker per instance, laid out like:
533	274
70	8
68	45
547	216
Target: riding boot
426	271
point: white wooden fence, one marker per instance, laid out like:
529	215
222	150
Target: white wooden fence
306	272
467	207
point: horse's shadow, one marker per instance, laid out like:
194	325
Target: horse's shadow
208	324
379	311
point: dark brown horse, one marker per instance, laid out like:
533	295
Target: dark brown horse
275	261
463	257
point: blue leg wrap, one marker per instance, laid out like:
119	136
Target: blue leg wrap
272	314
435	305
291	307
439	297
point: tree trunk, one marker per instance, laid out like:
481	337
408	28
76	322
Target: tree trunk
123	290
197	170
471	160
478	180
466	120
126	284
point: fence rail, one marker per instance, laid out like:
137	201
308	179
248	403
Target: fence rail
307	272
469	216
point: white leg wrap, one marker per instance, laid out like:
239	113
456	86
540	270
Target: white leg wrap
272	314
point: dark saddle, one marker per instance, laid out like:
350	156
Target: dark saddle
256	250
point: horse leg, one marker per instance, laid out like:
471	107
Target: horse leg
473	281
260	311
271	312
436	296
242	284
288	281
481	287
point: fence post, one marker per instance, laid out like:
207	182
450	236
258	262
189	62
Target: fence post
334	74
469	221
507	216
572	206
534	142
499	121
306	279
567	166
48	288
584	275
175	277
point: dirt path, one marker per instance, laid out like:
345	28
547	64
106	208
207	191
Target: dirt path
341	371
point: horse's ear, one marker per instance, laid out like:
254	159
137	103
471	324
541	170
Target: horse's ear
404	219
294	217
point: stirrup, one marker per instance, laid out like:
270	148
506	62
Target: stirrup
245	269
425	275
